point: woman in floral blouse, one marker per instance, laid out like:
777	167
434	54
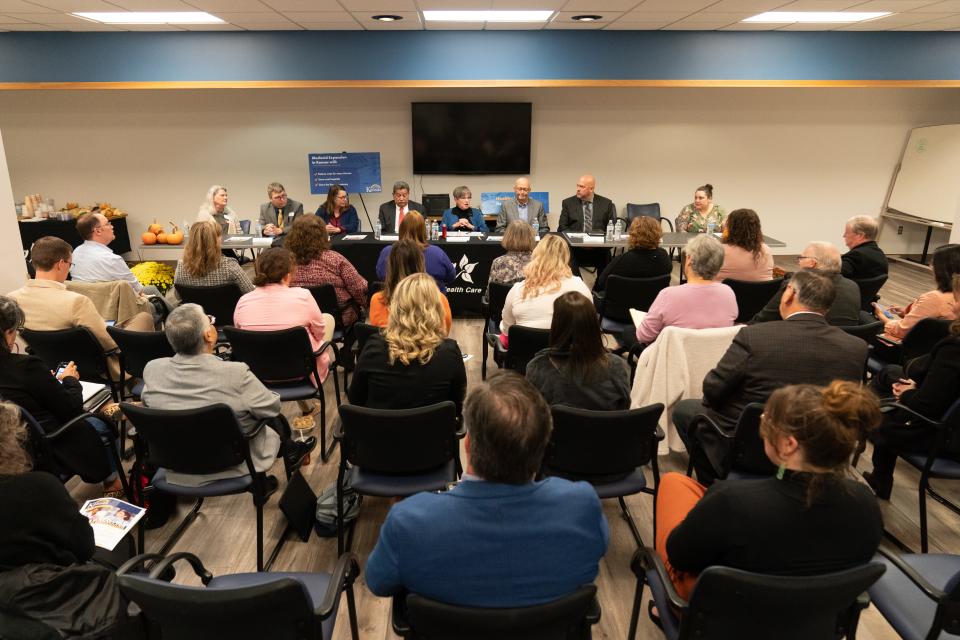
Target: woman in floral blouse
203	264
695	217
518	241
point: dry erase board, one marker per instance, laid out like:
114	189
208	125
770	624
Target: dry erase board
928	185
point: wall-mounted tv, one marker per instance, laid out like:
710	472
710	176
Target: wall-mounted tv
471	137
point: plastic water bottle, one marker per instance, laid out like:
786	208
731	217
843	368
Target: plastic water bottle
711	227
609	236
618	229
257	229
536	228
376	230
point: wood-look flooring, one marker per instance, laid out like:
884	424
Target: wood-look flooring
223	535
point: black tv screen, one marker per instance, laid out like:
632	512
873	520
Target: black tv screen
471	137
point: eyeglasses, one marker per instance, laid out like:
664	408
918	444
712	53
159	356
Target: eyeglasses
278	196
109	224
212	319
68	263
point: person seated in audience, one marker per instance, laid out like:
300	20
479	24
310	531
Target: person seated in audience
696	216
195	378
278	215
437	262
410	362
94	261
700	303
461	216
930	386
937	303
577	370
522	208
789	524
548	276
48	306
337	212
52	401
405	259
392	213
800	349
518	242
44	546
318	264
865	259
214	209
745	255
515	541
275	305
204	265
644	258
825	258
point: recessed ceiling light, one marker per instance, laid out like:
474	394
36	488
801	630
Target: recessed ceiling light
487	16
149	17
817	16
386	17
586	18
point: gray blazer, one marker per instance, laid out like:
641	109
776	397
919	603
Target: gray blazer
508	213
194	381
268	213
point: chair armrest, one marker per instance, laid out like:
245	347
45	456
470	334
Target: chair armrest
111	352
701	418
928	589
592	616
258	429
646	559
398	615
862	601
890	406
338	429
344	573
198	568
323	347
80	418
461	428
659	435
137	561
669	223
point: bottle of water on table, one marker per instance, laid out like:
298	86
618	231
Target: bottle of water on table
618	229
609	236
376	230
536	228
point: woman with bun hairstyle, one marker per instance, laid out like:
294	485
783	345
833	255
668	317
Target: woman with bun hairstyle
809	519
695	216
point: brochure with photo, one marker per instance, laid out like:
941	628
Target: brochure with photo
111	519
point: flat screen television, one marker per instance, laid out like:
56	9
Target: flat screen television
471	137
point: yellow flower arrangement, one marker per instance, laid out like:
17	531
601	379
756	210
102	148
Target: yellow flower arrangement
154	273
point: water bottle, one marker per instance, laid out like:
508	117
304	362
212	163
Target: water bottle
618	229
711	227
257	230
376	230
536	228
609	236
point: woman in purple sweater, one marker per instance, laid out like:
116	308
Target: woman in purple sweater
437	262
701	303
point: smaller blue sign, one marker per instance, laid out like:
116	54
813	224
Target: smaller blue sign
355	172
490	201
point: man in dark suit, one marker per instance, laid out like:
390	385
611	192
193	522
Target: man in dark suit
865	258
800	349
522	207
586	207
392	212
495	539
278	215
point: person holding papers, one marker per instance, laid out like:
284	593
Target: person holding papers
338	213
461	216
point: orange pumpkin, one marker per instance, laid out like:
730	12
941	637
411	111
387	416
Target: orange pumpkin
149	238
162	238
155	228
175	236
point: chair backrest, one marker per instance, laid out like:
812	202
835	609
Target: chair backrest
951	437
752	296
497	298
245	226
399	441
868	290
866	332
563	618
77	344
524	344
651	210
284	355
747	454
137	348
362	332
194	441
588	443
326	297
374	286
623	294
219	301
280	609
921	339
733	604
434	204
76	451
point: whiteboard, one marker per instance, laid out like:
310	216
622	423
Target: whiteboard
928	185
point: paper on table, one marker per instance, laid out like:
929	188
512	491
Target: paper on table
359	236
637	316
497	238
597	239
239	238
110	520
574	234
262	242
390	238
458	238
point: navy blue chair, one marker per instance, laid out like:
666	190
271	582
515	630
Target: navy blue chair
525	343
745	458
240	606
343	336
396	453
621	295
869	287
137	348
919	595
731	604
752	296
919	341
285	362
651	210
80	346
220	301
492	307
608	449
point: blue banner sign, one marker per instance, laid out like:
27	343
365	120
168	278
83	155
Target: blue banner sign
490	201
356	172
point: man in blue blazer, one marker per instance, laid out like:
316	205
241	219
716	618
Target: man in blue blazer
497	539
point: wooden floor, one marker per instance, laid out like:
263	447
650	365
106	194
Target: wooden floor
223	535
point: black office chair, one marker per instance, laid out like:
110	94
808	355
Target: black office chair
570	617
363	332
919	341
286	363
608	449
525	343
866	332
137	348
745	457
919	594
197	442
374	286
492	307
391	453
621	295
239	606
219	301
731	604
651	210
752	296
342	339
78	345
869	287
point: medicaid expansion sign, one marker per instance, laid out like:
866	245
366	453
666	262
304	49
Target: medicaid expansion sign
355	172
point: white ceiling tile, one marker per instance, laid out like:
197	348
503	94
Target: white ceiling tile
587	26
296	5
30	26
229	5
921	26
454	26
891	5
654	16
259	17
454	5
6	6
401	25
9	19
153	5
696	26
749	26
75	5
688	6
620	25
319	16
756	6
505	5
712	16
407	17
48	18
599	6
947	6
818	5
331	26
152	27
911	17
211	27
382	6
565	16
89	26
270	26
947	23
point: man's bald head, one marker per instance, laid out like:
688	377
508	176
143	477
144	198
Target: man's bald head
826	255
585	186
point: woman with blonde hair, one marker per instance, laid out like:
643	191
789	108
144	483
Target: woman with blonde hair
548	276
405	260
203	265
215	209
411	362
518	241
436	262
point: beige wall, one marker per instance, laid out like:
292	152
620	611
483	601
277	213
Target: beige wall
805	159
13	269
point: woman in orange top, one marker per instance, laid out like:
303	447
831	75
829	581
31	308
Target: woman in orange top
405	259
932	304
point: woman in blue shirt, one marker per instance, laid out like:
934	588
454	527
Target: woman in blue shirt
461	216
338	213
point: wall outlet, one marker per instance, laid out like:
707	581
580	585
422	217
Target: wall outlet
900	230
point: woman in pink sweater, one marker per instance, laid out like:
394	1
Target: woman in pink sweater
938	303
745	256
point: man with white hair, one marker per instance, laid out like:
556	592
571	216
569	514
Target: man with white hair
522	207
865	258
825	258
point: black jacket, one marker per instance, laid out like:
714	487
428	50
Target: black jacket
636	263
571	214
844	312
864	261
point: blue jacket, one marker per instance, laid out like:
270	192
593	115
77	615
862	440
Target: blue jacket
450	218
349	220
484	544
436	262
